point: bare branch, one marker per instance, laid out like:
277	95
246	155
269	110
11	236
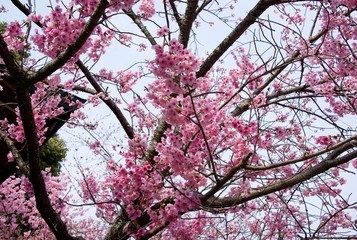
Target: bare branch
175	12
303	158
15	153
109	102
331	161
187	21
251	17
142	27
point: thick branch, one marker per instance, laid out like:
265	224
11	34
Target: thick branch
226	178
204	4
117	230
73	48
300	159
24	10
156	138
187	21
332	160
109	102
251	17
21	7
175	12
43	204
141	26
15	154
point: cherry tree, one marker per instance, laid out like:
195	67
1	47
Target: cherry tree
235	124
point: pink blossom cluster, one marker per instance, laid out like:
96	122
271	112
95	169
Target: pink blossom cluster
176	62
45	106
125	39
99	45
139	188
19	218
175	70
145	120
90	188
259	100
128	184
335	4
59	31
116	5
14	36
147	9
85	7
163	31
124	79
245	70
186	228
96	99
325	140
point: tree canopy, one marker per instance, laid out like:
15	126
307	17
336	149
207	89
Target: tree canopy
224	119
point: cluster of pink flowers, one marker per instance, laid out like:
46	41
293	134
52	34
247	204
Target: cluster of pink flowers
175	62
147	9
59	31
86	7
45	107
115	5
13	36
19	218
99	44
126	80
325	140
175	70
259	100
161	32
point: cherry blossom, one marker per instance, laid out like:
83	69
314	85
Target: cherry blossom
200	119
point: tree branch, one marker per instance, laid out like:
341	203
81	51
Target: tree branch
300	159
16	154
117	230
332	160
43	204
175	12
156	138
243	106
251	17
71	49
225	179
109	102
21	7
141	26
187	22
